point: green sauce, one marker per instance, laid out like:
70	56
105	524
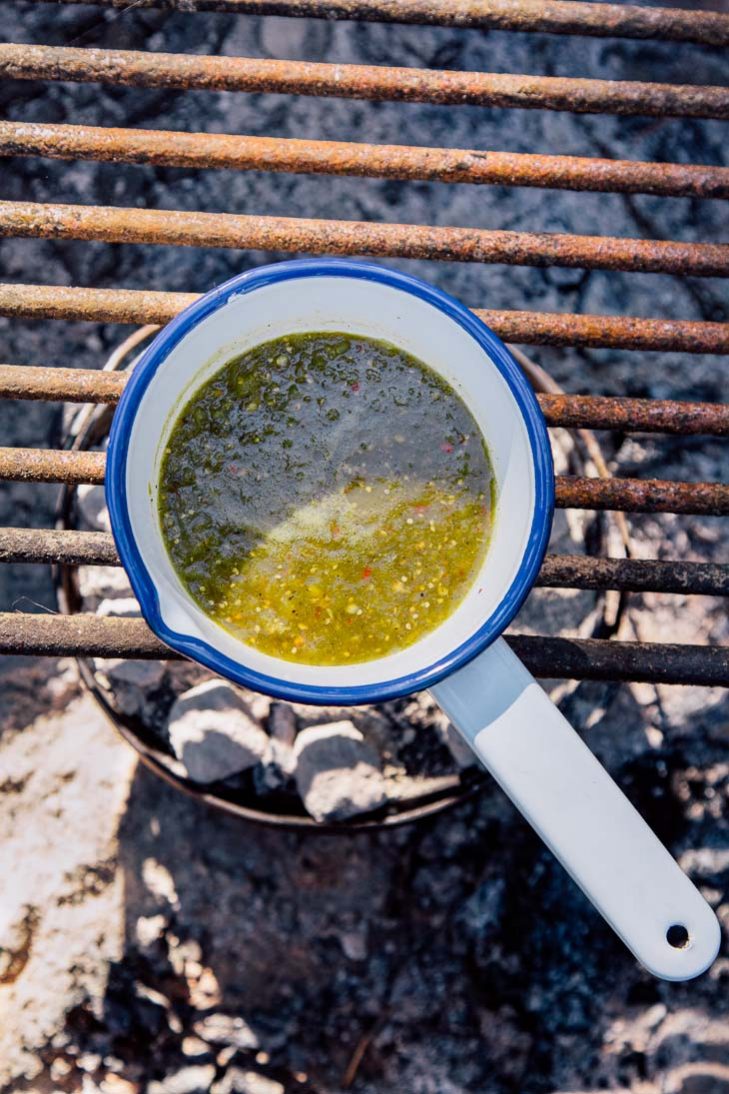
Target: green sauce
327	498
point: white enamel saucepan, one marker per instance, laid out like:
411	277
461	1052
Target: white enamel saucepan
490	697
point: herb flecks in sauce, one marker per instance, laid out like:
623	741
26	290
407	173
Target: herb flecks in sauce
327	498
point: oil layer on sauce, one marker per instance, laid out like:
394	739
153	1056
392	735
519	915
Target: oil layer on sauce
327	498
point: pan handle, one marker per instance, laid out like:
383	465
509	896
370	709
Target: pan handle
584	818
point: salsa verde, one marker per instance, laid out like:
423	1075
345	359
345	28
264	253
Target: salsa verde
327	498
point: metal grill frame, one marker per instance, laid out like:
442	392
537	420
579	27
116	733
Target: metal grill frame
582	659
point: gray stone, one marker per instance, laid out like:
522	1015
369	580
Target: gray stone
184	675
130	681
89	1061
194	1047
93	513
354	945
115	1084
213	733
124	608
149	930
226	1029
195	1079
337	773
705	863
258	704
699	1078
238	1081
99	583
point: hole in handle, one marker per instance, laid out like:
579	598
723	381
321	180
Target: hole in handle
677	936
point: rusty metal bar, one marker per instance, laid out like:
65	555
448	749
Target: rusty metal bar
556	17
106	224
585	659
635	415
139	306
72	548
598	659
129	306
245	153
51	465
612	331
572	492
52	545
569	411
80	636
634	575
72	385
709	499
203	73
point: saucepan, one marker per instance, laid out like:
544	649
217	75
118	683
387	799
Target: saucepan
503	714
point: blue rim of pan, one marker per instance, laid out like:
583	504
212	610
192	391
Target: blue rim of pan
206	654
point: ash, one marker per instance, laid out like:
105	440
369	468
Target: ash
151	946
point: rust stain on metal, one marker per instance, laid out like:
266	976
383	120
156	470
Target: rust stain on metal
106	224
194	72
51	465
138	306
635	415
642	495
73	385
556	17
244	153
588	659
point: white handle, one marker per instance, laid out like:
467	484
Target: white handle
581	814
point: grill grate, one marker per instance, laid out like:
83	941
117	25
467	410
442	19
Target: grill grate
130	68
106	224
582	659
571	491
243	153
142	306
556	17
74	548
